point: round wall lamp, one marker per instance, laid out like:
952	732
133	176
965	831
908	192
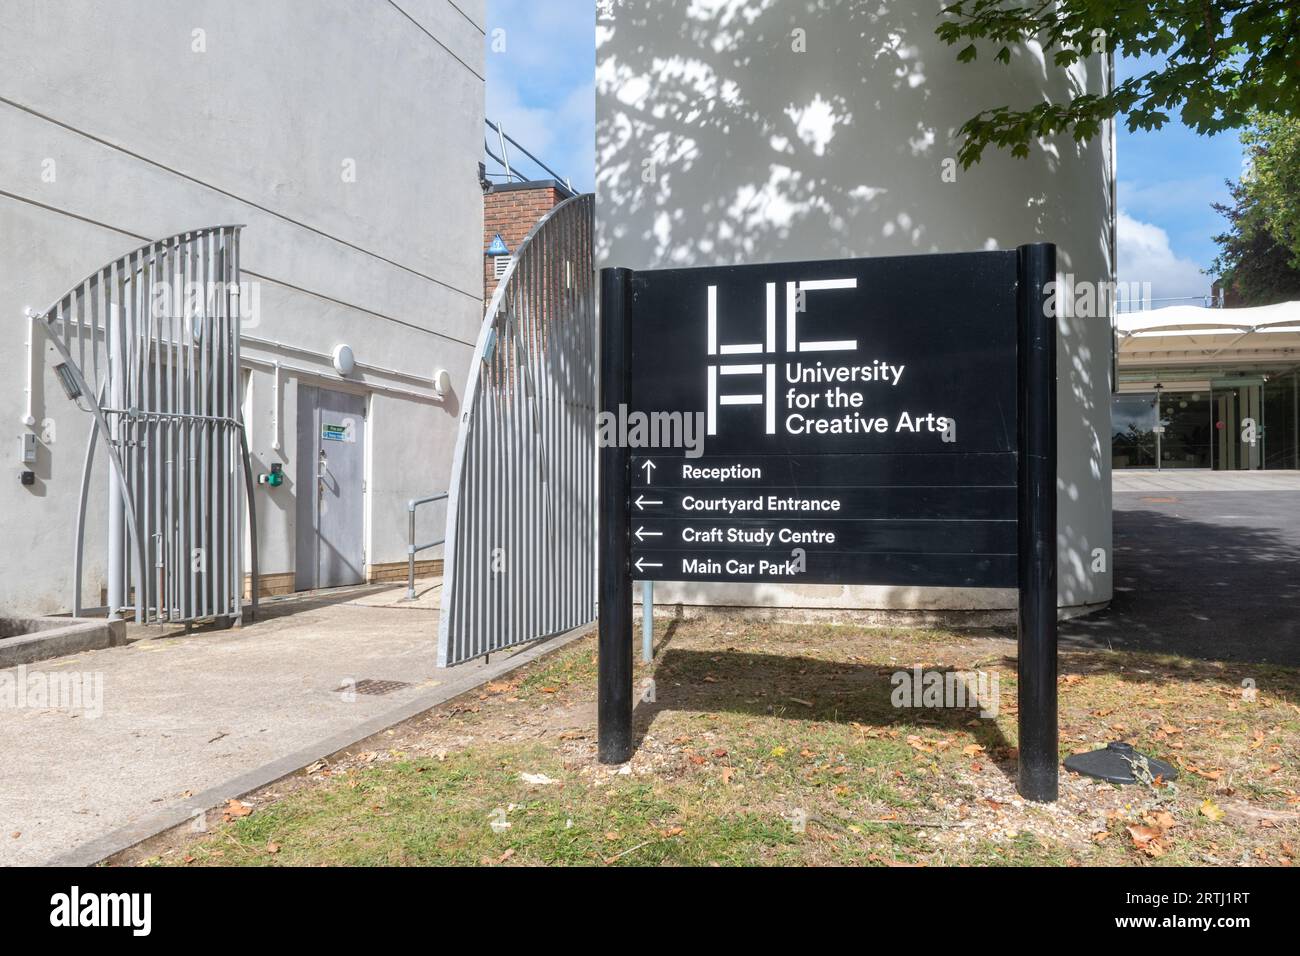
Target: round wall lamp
441	382
344	360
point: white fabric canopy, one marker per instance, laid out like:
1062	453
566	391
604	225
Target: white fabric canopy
1191	335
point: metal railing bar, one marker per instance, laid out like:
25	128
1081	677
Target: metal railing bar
416	502
507	138
411	546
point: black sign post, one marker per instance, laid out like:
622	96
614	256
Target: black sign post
1036	772
865	421
614	650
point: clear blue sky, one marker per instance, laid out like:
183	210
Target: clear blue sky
541	88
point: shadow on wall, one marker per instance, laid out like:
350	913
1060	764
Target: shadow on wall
731	131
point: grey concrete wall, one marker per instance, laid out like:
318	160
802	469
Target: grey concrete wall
718	142
345	134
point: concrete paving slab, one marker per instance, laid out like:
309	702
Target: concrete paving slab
171	721
428	596
1179	479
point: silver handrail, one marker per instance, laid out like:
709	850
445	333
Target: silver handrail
411	546
504	159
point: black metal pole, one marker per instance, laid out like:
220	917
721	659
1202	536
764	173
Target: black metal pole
614	668
1037	772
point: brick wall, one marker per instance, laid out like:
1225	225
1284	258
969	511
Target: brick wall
512	210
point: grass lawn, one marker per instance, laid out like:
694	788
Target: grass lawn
779	744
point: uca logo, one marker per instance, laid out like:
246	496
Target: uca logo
750	361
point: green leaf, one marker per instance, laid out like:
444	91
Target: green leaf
1218	60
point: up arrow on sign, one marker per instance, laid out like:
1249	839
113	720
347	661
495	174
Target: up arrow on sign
649	467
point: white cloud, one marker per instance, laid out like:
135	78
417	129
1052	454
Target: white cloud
1145	256
540	86
561	135
1172	194
531	126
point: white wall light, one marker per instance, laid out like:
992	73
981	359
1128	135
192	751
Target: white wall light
344	360
441	383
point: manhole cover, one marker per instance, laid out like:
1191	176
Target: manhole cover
375	688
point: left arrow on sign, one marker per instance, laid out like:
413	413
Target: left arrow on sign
641	564
642	534
642	501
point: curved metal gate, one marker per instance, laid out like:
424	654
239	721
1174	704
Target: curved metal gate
149	346
519	559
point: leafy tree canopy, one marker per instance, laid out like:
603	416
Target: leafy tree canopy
1259	255
1220	61
1272	185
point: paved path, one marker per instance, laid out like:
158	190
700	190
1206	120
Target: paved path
189	721
1209	573
1202	479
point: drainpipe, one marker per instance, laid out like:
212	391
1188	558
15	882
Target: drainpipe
116	516
33	330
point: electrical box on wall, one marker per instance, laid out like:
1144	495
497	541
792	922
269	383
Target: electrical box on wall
274	478
27	448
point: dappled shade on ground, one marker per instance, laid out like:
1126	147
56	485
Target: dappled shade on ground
779	744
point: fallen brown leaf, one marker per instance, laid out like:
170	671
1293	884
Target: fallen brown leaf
234	810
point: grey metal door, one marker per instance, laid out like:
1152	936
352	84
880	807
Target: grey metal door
331	488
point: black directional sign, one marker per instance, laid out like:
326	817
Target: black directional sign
864	421
845	422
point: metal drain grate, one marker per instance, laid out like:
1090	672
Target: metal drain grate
375	688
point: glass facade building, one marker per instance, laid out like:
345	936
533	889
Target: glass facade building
1239	422
1207	388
